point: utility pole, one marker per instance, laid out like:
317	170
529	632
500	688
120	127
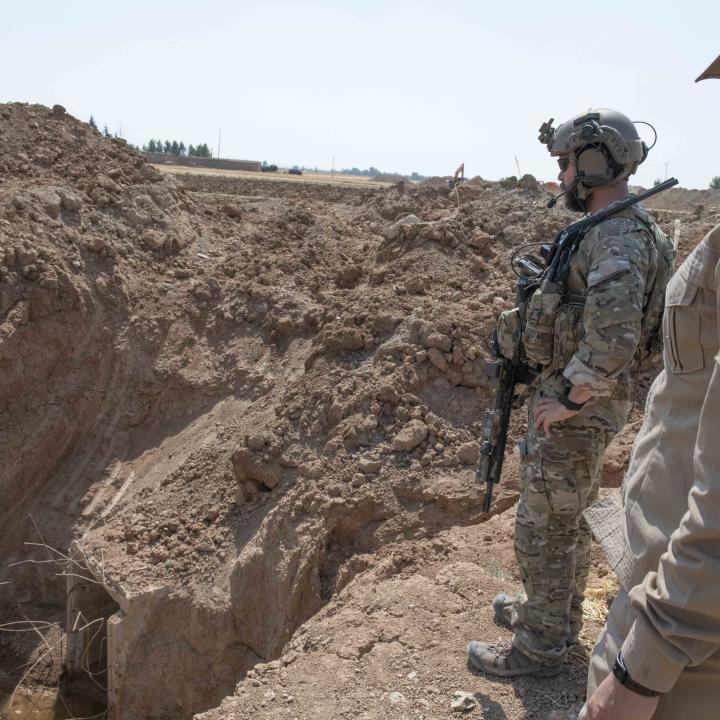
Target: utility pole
332	168
666	167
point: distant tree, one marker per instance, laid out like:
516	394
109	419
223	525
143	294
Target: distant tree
715	183
178	148
201	150
92	123
106	132
373	171
657	182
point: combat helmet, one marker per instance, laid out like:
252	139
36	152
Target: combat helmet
605	145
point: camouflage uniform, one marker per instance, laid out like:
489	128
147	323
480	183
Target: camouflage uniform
595	339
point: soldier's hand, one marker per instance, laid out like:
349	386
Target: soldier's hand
612	701
549	411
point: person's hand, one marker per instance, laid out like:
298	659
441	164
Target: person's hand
613	701
549	411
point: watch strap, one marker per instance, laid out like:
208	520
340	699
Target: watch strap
565	401
623	677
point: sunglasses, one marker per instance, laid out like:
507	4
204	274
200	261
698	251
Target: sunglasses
564	163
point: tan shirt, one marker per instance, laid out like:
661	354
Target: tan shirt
665	546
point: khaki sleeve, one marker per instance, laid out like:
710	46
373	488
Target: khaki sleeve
677	608
618	268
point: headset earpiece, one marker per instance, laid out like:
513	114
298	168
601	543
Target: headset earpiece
593	169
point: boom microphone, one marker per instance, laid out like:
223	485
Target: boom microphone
553	201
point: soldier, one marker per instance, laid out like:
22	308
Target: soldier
659	654
586	341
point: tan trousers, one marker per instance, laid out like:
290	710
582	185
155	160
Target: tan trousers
695	696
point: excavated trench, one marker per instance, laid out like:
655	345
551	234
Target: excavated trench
168	654
168	651
171	646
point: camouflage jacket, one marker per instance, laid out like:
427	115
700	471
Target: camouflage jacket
611	277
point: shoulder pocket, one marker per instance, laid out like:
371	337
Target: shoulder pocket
612	303
699	266
607	269
683	351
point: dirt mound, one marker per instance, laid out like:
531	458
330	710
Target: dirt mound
237	403
85	230
389	178
682	199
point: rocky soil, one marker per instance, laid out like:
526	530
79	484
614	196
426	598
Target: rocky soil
252	409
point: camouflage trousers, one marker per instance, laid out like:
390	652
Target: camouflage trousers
560	476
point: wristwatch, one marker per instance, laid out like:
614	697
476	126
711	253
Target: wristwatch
565	401
623	676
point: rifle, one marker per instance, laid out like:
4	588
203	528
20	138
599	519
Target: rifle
508	373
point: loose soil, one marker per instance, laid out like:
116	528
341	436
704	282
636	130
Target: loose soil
248	411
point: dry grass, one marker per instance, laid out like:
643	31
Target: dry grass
597	602
498	571
598	598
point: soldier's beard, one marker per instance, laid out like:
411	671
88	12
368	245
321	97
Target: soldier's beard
572	201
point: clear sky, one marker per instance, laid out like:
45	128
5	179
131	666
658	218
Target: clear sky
399	85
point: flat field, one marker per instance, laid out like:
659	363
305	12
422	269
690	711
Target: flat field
325	178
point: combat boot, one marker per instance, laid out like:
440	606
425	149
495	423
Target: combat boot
503	605
505	660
